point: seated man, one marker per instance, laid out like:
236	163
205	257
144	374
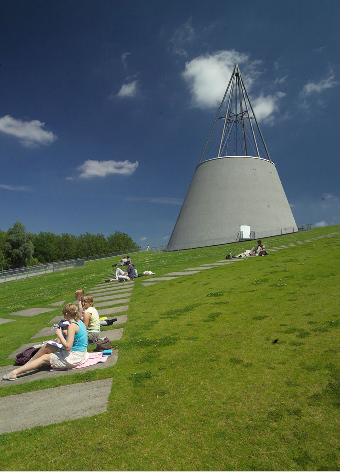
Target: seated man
131	271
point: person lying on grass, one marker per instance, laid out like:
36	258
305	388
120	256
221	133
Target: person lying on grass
73	351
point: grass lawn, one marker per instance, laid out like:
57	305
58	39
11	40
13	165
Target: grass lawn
233	368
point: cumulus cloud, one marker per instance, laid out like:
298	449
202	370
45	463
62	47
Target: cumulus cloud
319	87
143	238
92	168
16	188
266	107
128	90
207	77
29	133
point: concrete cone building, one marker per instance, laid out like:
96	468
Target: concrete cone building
236	194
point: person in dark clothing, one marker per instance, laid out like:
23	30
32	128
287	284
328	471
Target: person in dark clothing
131	271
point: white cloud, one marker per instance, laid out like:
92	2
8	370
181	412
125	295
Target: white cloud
321	224
16	188
183	36
29	133
208	77
319	87
92	168
266	107
129	90
143	238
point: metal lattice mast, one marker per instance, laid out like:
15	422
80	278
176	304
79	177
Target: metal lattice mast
240	125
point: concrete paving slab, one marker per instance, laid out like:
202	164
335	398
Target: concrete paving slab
220	263
110	311
229	260
147	284
112	287
110	292
31	311
208	266
162	278
108	297
45	372
197	268
5	320
111	302
48	332
48	406
119	301
61	303
188	272
114	334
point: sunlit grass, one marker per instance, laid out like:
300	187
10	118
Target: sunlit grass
233	368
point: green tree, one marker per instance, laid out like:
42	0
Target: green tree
119	242
45	249
18	247
67	247
3	264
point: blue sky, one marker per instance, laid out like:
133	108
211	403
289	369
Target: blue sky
105	106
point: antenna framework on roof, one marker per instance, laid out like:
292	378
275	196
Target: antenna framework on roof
237	187
241	134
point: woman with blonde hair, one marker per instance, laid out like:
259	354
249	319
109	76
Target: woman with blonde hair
73	350
91	318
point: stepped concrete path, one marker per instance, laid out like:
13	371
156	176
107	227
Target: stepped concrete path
43	407
49	406
31	311
5	320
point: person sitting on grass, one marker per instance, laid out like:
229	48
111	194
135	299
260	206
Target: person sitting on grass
131	271
73	351
91	319
260	250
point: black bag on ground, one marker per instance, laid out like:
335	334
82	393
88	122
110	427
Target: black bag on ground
25	355
103	344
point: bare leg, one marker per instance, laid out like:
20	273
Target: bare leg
45	349
40	358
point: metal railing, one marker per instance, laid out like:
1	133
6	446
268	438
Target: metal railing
31	271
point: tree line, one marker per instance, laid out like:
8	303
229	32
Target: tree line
19	248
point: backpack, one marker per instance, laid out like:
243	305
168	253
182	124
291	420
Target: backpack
103	344
25	355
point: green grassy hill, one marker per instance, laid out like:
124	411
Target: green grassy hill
233	368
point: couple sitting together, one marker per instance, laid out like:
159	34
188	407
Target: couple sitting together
79	328
69	351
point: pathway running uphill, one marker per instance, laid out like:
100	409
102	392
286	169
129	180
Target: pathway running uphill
42	407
